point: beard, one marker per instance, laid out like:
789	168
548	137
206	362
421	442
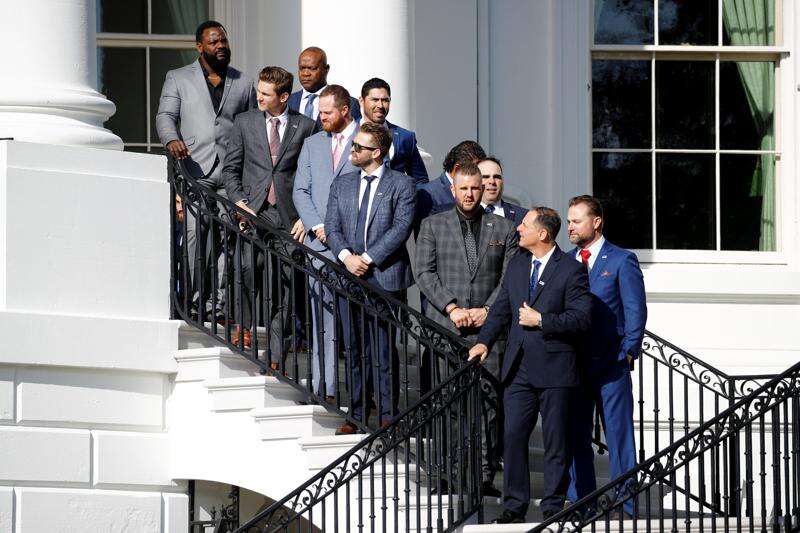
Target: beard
215	63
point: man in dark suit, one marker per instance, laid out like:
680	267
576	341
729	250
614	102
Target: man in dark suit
259	177
545	299
437	195
460	260
619	314
195	116
492	200
312	71
376	97
368	220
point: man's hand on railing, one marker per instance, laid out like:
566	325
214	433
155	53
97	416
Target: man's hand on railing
298	230
356	265
320	233
479	350
177	149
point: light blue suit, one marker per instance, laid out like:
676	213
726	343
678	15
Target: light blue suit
312	183
619	314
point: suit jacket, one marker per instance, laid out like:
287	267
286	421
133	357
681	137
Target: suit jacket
433	197
312	183
440	265
389	225
619	307
406	158
513	212
551	354
248	171
185	112
297	96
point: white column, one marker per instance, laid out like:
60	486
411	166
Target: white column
364	39
48	95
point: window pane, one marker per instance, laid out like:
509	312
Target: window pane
687	22
129	16
623	184
685	202
685	104
748	22
121	77
179	16
747	198
746	105
621	104
162	60
623	21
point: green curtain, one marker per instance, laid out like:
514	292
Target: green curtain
186	15
598	8
752	23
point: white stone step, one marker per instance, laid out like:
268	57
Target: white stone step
251	392
323	450
191	337
295	422
200	364
615	526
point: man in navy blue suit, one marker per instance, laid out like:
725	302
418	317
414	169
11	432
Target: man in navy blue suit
368	219
312	71
492	200
545	299
619	313
376	97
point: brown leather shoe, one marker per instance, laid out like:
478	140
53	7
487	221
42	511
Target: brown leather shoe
348	428
330	399
248	338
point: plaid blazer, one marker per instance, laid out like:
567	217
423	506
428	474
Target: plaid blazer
440	264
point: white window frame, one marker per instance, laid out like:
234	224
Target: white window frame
778	54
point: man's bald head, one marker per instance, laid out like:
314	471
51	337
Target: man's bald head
312	69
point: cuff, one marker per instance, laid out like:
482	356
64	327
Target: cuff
344	254
366	258
315	228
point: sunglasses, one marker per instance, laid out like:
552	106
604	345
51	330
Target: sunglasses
358	147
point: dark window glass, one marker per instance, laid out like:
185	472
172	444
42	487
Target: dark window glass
623	21
179	16
622	183
746	209
746	105
621	104
687	22
685	104
129	16
685	201
162	60
121	77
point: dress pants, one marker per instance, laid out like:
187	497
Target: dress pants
205	242
611	389
324	349
523	403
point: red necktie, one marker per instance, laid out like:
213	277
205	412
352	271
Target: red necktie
274	148
585	253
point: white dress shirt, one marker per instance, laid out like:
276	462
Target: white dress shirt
543	260
315	104
594	251
362	187
498	209
284	120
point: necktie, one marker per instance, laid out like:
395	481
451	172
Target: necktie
337	151
309	110
534	279
472	249
274	148
361	223
585	253
489	209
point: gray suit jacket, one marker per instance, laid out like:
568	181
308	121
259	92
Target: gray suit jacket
248	171
312	183
441	270
185	112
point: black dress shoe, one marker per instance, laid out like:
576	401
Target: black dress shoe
489	491
509	517
443	488
615	515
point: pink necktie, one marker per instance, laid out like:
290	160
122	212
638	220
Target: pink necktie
274	148
337	151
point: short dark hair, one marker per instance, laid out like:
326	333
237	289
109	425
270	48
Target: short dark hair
593	205
374	83
461	153
281	78
493	159
468	168
340	95
198	35
548	219
380	136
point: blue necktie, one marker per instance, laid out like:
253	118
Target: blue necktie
361	224
309	110
534	280
489	209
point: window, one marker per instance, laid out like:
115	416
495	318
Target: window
685	153
138	41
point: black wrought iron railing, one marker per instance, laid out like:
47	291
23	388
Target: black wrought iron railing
745	462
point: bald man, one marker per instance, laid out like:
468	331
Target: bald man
312	71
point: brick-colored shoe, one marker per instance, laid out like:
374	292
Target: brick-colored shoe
348	428
247	336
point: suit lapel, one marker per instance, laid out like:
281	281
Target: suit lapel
547	273
454	226
201	80
487	232
351	192
383	190
225	91
291	129
260	128
599	262
508	211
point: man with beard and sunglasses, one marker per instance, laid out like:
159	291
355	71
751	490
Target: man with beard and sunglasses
195	116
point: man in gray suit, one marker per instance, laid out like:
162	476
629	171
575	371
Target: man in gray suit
259	171
195	116
461	257
323	158
367	222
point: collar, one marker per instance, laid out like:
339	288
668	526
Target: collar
283	117
449	177
348	131
543	260
306	93
496	204
222	74
475	218
595	248
378	172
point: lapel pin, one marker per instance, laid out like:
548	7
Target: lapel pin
379	194
603	257
541	283
488	224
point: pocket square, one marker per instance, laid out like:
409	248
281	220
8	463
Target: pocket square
605	274
496	243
